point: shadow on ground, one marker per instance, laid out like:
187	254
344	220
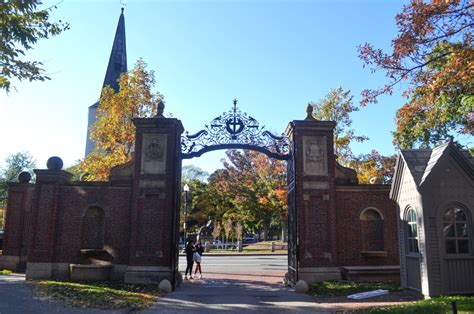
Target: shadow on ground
250	293
213	295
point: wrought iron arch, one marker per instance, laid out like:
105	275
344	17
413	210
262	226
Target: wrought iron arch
235	129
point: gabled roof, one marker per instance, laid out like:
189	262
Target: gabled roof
118	57
421	162
416	161
435	156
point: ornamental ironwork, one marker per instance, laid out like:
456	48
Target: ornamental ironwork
234	129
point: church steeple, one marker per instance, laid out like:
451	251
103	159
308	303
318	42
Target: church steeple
117	65
118	56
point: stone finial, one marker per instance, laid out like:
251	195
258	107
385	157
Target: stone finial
165	286
83	176
54	163
375	180
309	112
160	109
24	177
301	286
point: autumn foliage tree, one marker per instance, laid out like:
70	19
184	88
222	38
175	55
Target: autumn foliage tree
433	55
114	131
252	189
337	106
14	165
374	167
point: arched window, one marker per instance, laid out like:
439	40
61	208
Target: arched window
456	231
372	230
412	232
92	236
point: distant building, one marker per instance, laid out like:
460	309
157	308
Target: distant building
117	65
434	191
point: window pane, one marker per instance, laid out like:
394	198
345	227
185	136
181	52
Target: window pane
451	246
463	246
416	245
460	214
448	230
448	215
414	230
461	230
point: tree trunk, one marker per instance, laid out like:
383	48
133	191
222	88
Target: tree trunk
265	233
284	230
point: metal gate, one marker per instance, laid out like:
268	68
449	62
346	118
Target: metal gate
26	225
292	225
237	130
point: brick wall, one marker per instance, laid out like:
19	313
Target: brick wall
115	201
315	204
17	218
353	234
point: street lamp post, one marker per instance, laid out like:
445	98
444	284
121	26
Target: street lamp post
186	190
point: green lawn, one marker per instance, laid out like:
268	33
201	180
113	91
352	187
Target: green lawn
5	272
98	295
438	305
443	304
341	288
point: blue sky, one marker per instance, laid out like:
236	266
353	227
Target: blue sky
273	56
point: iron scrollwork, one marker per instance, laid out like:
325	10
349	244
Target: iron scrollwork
234	129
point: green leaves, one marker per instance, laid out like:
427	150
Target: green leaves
22	24
337	106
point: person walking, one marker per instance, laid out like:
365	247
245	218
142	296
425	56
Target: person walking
189	259
197	258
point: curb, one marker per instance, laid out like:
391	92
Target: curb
240	254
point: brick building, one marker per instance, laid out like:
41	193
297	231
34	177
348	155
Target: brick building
128	227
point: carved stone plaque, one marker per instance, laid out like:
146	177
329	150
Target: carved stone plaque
315	156
154	154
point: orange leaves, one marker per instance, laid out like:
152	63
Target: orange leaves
433	52
114	132
374	165
254	187
263	200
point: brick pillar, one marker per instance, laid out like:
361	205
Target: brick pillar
45	215
15	241
314	198
156	200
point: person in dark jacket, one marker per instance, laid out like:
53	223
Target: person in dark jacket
189	259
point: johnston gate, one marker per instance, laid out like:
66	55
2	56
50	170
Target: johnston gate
127	228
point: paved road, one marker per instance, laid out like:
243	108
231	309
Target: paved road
260	264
